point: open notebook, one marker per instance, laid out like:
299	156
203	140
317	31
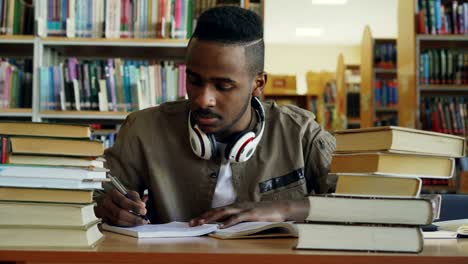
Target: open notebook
182	229
449	229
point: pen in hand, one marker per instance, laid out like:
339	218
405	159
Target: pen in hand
124	192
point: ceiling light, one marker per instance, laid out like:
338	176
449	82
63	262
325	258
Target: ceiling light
309	32
329	2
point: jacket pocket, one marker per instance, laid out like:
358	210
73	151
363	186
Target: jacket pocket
291	186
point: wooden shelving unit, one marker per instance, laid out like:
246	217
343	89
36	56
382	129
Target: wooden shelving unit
90	115
369	110
17	39
17	46
46	51
410	46
443	88
316	82
346	87
127	42
16	112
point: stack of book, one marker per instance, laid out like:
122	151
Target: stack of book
47	176
377	204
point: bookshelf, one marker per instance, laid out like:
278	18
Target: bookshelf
379	100
353	95
317	85
348	93
15	50
47	51
56	50
417	82
421	90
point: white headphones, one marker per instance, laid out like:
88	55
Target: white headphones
239	150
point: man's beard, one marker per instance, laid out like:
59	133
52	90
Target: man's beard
221	134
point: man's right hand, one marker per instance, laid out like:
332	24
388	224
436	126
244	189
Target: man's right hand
116	209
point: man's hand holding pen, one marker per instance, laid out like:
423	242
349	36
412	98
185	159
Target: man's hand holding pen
122	207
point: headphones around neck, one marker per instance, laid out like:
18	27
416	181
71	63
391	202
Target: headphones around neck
238	150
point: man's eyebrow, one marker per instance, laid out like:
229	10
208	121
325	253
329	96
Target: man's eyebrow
217	79
222	79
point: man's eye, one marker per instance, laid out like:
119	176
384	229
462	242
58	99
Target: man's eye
225	87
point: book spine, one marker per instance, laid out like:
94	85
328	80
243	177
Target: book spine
5	149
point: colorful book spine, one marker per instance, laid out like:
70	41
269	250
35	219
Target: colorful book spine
446	114
121	18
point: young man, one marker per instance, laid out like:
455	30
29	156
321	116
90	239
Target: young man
221	156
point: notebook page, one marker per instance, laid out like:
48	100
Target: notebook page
173	229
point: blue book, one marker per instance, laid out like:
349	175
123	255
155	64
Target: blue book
133	86
426	68
453	207
51	91
63	26
438	17
377	90
384	94
89	19
465	5
126	87
43	88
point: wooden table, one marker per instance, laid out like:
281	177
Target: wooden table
122	249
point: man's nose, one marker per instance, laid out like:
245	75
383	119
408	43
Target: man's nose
207	97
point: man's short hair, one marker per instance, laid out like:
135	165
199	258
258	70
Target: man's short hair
234	26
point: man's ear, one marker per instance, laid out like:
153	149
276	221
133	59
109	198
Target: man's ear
260	81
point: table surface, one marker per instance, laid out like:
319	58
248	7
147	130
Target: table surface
123	249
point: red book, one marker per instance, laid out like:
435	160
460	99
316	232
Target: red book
421	21
4	149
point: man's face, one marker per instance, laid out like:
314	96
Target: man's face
219	87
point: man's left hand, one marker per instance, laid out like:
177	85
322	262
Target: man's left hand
261	211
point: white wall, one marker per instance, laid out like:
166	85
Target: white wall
298	59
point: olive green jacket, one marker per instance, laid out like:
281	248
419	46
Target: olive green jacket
152	151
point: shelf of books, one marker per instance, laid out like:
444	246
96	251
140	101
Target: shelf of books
98	61
16	75
379	86
348	81
432	64
323	86
353	95
437	84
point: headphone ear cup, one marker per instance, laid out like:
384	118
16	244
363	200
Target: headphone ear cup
240	149
201	143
